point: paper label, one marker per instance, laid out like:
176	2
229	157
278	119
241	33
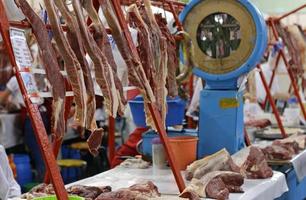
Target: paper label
228	103
21	49
24	63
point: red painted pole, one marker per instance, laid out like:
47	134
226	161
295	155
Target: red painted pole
271	100
163	135
291	12
272	77
177	21
57	143
290	73
247	138
111	138
37	123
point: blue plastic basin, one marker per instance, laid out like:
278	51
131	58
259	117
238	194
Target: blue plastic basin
23	167
175	114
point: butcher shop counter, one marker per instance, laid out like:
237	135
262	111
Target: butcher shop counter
121	177
294	171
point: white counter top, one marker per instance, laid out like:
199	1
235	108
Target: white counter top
120	177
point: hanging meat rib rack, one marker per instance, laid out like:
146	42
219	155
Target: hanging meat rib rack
272	22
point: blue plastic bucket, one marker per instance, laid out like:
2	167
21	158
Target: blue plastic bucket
23	167
175	114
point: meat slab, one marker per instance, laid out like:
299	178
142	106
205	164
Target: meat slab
281	150
88	192
101	38
76	42
51	66
141	191
256	166
220	161
216	184
72	66
173	61
103	72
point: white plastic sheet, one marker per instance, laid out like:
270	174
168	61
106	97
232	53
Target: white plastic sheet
299	165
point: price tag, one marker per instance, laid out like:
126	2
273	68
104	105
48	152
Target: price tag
24	63
31	87
21	49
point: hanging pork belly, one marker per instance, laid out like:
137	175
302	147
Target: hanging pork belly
72	66
76	43
101	38
51	66
103	71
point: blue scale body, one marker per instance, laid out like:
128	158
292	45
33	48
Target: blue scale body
222	126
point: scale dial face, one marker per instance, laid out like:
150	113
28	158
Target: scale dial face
223	33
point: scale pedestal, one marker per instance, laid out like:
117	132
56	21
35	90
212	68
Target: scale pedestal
221	121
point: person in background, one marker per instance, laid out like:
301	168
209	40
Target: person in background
9	188
11	99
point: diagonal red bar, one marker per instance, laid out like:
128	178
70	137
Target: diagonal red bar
290	73
272	103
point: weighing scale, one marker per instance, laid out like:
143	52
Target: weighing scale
229	38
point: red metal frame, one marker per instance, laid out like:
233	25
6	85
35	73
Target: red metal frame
37	123
271	100
246	138
111	138
155	114
291	12
295	87
272	79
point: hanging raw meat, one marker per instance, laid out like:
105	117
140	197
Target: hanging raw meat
51	66
75	40
159	45
291	44
103	71
173	61
300	43
100	36
76	43
136	73
144	41
72	66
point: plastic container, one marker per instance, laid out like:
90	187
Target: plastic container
184	150
146	146
23	168
53	197
175	115
159	158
